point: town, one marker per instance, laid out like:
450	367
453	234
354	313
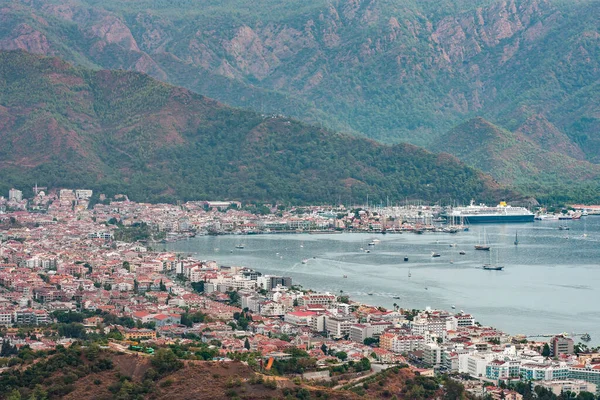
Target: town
75	266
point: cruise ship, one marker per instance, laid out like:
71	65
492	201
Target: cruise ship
477	214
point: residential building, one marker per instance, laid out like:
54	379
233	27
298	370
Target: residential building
6	318
316	298
543	372
569	385
587	372
404	343
83	194
15	195
432	355
28	316
503	369
138	334
561	345
359	332
299	318
338	326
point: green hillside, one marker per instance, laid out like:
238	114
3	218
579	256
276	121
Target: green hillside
530	163
118	131
391	70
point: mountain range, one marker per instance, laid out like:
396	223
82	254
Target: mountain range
425	73
123	131
393	71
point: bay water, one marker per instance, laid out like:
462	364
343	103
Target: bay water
550	283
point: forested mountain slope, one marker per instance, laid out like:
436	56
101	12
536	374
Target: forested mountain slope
120	131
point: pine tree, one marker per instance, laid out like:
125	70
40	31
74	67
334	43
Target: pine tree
546	350
324	348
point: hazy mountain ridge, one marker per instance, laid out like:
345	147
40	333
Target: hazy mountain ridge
393	72
119	131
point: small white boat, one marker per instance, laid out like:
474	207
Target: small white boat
305	261
434	254
371	243
240	246
453	307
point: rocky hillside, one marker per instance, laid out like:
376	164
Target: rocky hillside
393	71
119	131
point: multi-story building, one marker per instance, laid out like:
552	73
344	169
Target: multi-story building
561	345
463	320
15	195
586	372
543	372
503	369
6	317
404	343
474	364
359	332
28	316
569	385
338	326
317	323
137	334
83	194
251	302
434	326
269	282
316	298
300	318
272	309
432	355
450	360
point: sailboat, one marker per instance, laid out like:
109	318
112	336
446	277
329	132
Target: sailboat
493	267
516	239
409	275
483	246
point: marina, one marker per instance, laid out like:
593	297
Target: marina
548	283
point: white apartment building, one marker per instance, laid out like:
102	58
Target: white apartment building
404	344
474	364
432	355
317	298
359	332
338	326
83	194
6	318
15	195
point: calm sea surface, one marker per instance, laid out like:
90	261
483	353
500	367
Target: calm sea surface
550	283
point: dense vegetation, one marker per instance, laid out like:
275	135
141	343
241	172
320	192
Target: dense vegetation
393	70
125	132
136	232
525	161
53	375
